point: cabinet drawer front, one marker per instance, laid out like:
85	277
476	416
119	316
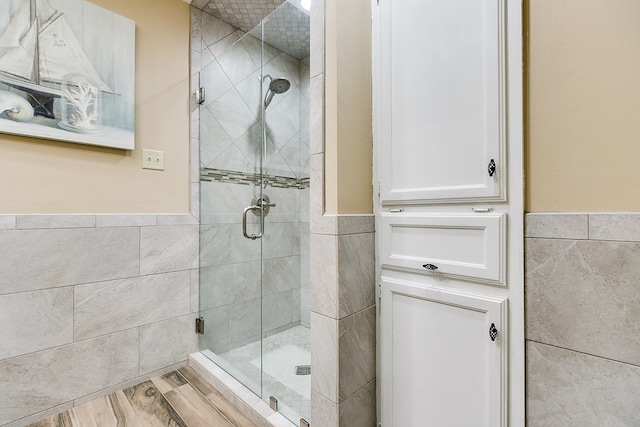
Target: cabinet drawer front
457	246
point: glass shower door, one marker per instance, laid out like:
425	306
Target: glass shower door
254	237
286	342
230	181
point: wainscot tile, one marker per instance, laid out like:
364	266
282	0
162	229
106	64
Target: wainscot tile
323	411
557	226
168	248
126	384
216	336
355	224
42	380
7	222
32	321
360	409
166	343
195	290
324	275
622	227
125	220
356	272
581	295
566	388
357	347
66	257
105	307
324	356
26	222
194	202
186	219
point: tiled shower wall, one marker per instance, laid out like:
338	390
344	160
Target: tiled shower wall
583	319
226	62
90	304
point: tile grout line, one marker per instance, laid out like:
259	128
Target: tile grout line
584	353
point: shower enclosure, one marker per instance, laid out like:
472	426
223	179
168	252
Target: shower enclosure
254	204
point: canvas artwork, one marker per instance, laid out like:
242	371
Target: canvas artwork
67	72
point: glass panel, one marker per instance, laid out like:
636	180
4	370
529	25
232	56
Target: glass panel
230	144
254	151
286	344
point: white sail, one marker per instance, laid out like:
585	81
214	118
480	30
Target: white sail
61	54
17	27
19	60
50	37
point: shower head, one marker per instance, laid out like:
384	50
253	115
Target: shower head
279	85
276	87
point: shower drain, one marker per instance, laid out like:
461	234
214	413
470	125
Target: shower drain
303	370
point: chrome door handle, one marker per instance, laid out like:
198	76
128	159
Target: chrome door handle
244	223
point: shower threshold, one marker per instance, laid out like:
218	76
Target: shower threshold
247	402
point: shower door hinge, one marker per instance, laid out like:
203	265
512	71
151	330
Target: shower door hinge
379	298
200	97
304	423
199	325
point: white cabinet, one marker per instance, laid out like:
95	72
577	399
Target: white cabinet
442	102
447	90
445	364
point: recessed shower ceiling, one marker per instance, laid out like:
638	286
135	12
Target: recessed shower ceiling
286	29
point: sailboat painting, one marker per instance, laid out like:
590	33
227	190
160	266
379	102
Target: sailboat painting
67	72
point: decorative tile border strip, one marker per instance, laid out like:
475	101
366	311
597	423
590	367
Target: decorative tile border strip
243	178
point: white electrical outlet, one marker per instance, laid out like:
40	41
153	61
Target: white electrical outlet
152	159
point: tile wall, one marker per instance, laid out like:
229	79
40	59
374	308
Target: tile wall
227	61
90	304
582	319
343	311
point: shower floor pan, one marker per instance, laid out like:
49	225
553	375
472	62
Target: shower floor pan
283	353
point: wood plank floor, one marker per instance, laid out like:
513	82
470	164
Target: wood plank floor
178	399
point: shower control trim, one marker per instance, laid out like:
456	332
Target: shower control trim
264	203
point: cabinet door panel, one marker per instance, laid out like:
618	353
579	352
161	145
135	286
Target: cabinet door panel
442	104
440	366
457	246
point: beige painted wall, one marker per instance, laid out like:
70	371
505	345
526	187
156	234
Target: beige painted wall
584	105
42	176
348	137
